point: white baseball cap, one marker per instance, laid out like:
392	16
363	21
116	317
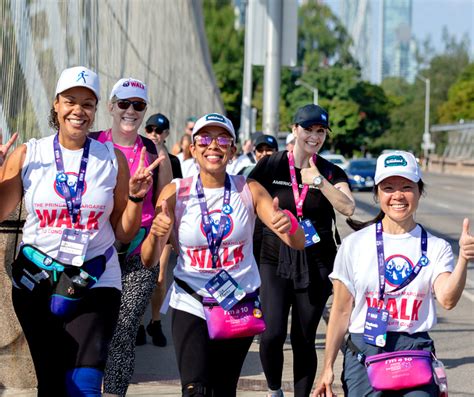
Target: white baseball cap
290	138
214	119
78	76
129	88
397	163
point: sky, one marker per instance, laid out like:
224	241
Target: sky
429	17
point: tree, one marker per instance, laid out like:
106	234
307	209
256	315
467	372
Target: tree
460	103
226	45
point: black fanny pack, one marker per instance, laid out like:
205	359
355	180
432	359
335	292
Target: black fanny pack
66	285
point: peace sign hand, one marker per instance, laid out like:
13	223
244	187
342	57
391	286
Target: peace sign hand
142	180
5	148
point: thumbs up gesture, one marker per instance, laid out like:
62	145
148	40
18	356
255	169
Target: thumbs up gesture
161	225
308	174
280	220
466	242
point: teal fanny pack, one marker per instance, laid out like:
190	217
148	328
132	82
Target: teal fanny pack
66	285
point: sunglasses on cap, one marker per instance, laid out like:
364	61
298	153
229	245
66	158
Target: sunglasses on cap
152	128
124	104
205	140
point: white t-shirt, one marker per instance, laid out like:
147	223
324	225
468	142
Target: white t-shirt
47	212
194	264
411	309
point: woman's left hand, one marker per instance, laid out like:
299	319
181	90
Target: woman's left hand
466	242
280	221
142	180
308	174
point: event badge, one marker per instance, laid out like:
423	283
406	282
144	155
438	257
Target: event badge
375	328
73	246
310	234
225	290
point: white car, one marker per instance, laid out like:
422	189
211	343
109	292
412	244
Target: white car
337	159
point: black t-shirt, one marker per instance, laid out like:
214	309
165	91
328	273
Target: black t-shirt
273	172
175	166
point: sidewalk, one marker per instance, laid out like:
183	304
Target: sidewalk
156	373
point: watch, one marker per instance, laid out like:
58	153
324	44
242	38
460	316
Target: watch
318	181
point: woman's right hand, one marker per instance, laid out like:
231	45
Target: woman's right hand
324	385
5	148
161	225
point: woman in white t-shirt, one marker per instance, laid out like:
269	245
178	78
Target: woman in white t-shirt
213	216
79	198
415	266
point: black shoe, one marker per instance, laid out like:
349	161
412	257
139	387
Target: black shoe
141	336
157	336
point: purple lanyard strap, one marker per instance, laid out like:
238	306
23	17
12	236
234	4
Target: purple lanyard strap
381	261
214	242
73	203
299	199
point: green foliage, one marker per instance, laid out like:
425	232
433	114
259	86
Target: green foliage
226	45
460	103
322	39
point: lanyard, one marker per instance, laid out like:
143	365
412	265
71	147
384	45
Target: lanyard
213	242
138	145
299	199
73	203
381	260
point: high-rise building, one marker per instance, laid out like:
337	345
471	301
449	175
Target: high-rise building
356	15
398	46
382	38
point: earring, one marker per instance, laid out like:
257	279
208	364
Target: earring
230	161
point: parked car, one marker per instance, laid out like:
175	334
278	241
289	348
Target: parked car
361	173
337	159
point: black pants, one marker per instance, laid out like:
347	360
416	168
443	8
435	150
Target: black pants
57	345
278	296
215	364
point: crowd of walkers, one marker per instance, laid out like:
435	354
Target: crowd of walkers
255	239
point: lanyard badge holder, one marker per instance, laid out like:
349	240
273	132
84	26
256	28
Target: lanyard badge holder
376	322
310	233
222	287
74	242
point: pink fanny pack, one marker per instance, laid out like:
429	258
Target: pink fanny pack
243	320
403	369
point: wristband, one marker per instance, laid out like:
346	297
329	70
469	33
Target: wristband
294	223
135	199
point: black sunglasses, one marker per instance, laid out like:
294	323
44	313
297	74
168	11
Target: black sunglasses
151	128
124	104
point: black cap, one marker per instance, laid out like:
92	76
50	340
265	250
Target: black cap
158	120
269	140
309	115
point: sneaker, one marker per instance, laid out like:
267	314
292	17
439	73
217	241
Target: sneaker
156	333
275	393
141	336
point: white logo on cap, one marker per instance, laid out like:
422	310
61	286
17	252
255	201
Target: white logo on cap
323	116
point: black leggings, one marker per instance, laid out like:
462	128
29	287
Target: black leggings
56	345
214	364
278	295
